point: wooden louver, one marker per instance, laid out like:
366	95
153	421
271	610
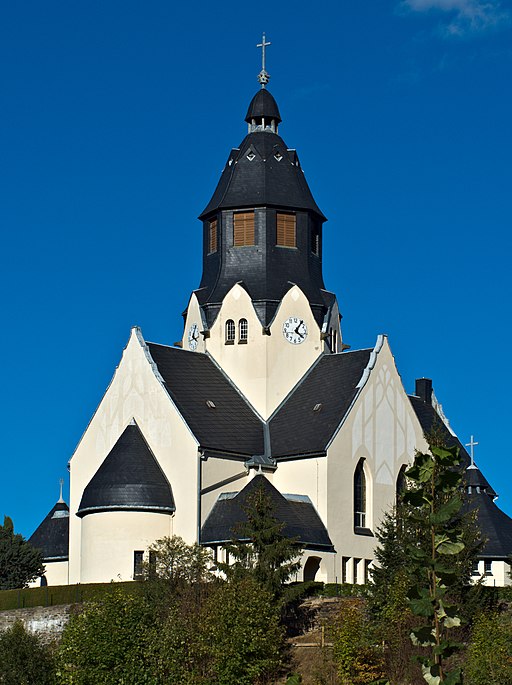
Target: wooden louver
212	236
243	228
286	230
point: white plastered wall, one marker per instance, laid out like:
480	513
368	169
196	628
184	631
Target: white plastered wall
382	429
267	367
109	540
135	392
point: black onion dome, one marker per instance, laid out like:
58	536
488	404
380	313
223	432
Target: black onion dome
263	105
129	479
51	537
263	172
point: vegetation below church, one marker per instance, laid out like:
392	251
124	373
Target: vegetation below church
184	625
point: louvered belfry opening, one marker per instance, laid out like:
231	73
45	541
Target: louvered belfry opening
243	229
212	236
286	229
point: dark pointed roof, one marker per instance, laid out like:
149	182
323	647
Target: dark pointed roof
263	104
300	518
129	479
51	537
263	172
232	429
495	526
194	381
309	417
429	419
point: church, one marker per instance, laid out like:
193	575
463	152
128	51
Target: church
260	392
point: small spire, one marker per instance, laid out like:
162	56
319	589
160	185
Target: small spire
263	76
471	444
61	499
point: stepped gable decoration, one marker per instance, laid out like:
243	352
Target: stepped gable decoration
300	518
51	537
129	479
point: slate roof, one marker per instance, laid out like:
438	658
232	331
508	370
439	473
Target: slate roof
263	104
129	479
429	418
233	429
296	428
300	518
264	180
51	537
192	379
495	526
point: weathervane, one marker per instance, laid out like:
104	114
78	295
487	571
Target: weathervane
61	482
471	444
263	76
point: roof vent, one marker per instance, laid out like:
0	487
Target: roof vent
210	404
278	156
317	407
251	156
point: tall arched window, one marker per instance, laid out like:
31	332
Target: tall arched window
230	331
243	330
360	496
400	483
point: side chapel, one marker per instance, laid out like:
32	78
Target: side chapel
261	391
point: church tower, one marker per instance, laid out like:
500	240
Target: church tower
262	310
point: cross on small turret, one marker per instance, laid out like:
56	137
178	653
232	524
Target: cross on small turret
471	444
263	76
61	483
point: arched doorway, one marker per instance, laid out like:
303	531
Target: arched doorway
311	568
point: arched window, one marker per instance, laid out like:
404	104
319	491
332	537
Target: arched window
400	483
360	496
230	331
243	330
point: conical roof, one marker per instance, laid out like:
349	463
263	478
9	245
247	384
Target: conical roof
494	525
129	479
51	537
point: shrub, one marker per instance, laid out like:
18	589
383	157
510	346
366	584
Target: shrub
489	655
24	659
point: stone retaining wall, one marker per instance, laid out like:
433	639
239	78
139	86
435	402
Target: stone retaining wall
47	622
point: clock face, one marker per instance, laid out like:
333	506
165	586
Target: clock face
193	336
295	330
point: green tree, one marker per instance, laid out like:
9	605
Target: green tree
172	560
260	549
108	643
242	634
20	563
433	501
24	659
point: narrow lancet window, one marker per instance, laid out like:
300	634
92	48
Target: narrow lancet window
360	496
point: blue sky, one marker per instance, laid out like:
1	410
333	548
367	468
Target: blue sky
116	119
